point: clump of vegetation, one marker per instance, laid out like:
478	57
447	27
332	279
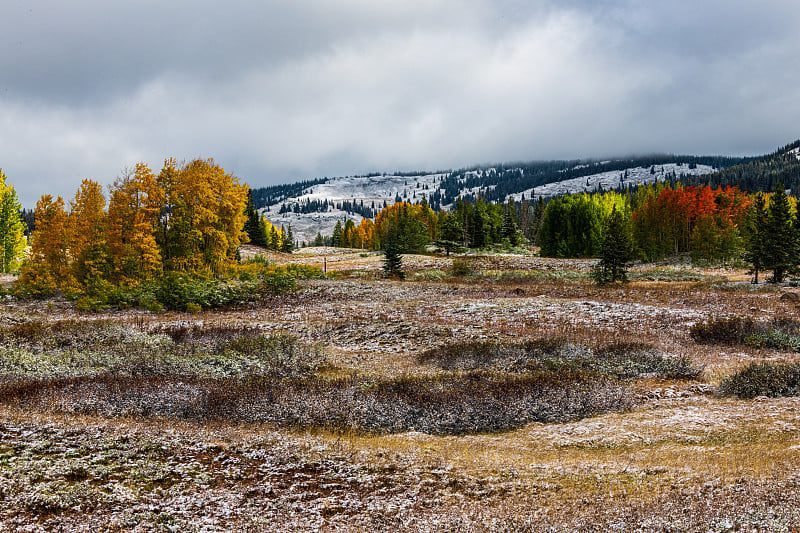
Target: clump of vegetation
69	349
237	373
764	379
620	361
462	267
448	404
666	274
779	334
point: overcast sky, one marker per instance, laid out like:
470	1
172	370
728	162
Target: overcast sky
279	91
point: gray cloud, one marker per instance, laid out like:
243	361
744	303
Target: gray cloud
298	89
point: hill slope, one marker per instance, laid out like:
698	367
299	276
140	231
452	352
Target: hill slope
315	206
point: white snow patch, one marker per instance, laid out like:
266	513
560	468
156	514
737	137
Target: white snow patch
613	179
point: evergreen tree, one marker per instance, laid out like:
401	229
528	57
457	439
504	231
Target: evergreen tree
756	230
392	261
318	240
254	225
616	252
450	233
510	230
780	241
478	221
288	240
336	238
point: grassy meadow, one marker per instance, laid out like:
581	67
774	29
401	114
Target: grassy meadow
500	392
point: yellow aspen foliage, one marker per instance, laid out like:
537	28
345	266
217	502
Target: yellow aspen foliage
364	233
206	217
47	265
88	249
416	222
133	216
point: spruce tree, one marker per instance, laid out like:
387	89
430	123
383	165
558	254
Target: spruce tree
450	233
756	230
616	251
336	238
510	229
392	261
288	240
780	242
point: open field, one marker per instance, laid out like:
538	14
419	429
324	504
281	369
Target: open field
519	397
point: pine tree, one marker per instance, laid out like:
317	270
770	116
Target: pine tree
288	241
780	241
450	233
254	225
392	261
616	251
336	238
510	230
756	229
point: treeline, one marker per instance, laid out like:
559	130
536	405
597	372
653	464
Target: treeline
185	219
761	174
265	196
711	224
262	233
411	227
501	181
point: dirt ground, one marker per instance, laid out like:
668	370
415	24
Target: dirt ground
684	459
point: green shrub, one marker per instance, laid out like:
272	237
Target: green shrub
781	334
556	355
462	267
279	282
764	379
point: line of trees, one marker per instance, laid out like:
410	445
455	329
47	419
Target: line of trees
186	218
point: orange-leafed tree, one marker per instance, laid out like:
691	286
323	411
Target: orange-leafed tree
206	216
47	264
134	209
88	250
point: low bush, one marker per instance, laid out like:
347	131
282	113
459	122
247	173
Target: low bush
621	361
94	348
764	379
451	404
665	274
462	267
781	334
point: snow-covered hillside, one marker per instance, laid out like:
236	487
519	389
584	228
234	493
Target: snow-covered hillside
372	191
376	191
611	180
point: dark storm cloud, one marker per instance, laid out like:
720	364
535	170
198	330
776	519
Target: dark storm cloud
293	89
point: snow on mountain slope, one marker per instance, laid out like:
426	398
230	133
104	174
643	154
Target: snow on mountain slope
305	226
377	191
373	191
613	179
372	188
796	152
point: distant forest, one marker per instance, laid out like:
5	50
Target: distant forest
497	182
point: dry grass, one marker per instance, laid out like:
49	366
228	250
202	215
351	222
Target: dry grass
683	459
